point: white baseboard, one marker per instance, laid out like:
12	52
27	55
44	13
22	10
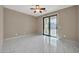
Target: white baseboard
19	36
15	37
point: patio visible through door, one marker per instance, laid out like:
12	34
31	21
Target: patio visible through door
50	26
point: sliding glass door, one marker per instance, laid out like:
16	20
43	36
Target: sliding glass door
46	26
53	26
50	25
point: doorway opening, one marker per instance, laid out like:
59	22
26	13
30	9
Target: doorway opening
50	26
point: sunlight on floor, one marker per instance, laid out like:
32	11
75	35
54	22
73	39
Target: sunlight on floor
40	44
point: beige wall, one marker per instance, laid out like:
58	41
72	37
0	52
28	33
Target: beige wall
18	23
1	27
78	22
68	18
67	22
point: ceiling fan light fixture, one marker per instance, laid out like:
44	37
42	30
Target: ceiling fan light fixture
37	6
34	11
38	9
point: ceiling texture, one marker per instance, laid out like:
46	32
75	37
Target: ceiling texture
26	9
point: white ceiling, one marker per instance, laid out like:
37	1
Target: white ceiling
26	8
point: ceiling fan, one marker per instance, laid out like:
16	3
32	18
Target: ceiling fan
37	9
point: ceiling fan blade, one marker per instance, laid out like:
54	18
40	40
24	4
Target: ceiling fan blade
32	8
42	8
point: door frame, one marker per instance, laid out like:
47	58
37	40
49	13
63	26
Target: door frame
49	24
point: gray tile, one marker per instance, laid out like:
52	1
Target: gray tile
39	44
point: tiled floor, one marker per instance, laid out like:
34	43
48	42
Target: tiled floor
40	44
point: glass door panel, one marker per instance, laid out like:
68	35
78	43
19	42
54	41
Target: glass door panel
46	26
53	26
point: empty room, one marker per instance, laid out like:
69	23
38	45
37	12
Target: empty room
39	28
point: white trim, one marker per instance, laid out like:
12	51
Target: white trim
19	36
15	37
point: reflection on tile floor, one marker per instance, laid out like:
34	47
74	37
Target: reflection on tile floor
40	44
